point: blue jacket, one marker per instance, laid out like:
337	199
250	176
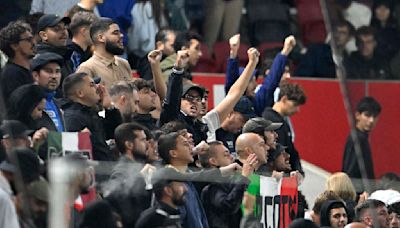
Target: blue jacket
192	212
53	111
265	94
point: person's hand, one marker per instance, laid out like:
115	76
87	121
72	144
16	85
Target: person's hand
147	170
277	175
249	165
230	169
154	57
39	137
234	43
105	97
298	175
364	196
147	173
254	55
288	45
248	203
182	59
201	148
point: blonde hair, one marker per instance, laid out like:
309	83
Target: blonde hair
340	183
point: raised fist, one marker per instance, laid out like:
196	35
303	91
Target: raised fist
253	54
234	43
154	56
182	59
288	45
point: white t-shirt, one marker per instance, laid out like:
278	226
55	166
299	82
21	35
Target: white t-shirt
213	122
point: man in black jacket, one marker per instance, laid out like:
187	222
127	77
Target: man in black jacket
181	102
184	102
53	34
222	201
17	42
366	63
80	112
368	110
291	97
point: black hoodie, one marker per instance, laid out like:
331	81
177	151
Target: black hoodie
325	209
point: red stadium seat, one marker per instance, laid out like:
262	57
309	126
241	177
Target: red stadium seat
242	54
221	53
311	21
268	46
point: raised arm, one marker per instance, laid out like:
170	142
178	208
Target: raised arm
232	68
238	88
265	95
172	101
154	58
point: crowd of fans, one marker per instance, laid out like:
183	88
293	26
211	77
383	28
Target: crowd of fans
160	157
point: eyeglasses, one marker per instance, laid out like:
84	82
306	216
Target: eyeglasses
192	98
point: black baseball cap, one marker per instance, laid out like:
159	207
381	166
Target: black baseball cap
245	107
259	125
44	58
51	20
14	129
189	86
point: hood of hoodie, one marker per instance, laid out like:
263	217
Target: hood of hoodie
325	208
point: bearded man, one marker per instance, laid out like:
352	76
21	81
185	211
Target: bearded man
105	63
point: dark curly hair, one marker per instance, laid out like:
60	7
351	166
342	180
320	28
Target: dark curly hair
11	34
369	105
293	92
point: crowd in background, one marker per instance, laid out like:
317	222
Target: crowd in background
160	157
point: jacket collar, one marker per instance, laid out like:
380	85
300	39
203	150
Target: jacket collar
104	60
45	47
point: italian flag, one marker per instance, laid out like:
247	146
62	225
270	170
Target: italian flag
276	201
62	143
